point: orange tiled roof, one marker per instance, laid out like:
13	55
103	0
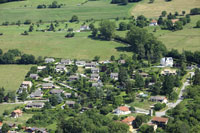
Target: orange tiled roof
18	111
123	108
160	119
128	119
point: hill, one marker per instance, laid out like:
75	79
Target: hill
154	10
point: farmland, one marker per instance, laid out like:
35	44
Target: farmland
11	76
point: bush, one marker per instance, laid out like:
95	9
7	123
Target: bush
74	18
195	11
159	106
25	33
27	22
198	24
69	35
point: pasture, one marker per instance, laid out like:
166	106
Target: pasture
23	10
154	10
8	107
54	44
11	76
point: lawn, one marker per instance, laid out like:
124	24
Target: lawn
186	39
24	10
20	120
54	44
154	10
8	107
12	76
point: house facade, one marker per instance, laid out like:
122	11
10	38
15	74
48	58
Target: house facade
166	62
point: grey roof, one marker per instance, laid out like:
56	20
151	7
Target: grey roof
80	62
65	61
49	60
157	97
95	69
114	74
99	84
67	94
60	67
47	85
69	102
94	75
33	75
56	91
37	93
35	104
74	77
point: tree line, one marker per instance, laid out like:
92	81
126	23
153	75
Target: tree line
14	56
5	1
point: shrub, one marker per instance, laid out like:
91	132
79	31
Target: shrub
69	35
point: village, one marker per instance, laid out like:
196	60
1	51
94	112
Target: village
61	83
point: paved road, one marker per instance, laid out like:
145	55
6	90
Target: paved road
180	98
25	102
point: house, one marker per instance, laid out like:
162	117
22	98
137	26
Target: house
12	125
90	65
95	70
35	130
69	95
26	84
121	61
60	68
80	63
153	23
49	60
99	84
174	21
36	94
34	105
143	74
161	99
166	62
128	120
56	91
114	76
95	77
40	68
70	103
1	124
47	86
168	72
34	76
122	110
159	121
66	62
84	27
16	113
73	77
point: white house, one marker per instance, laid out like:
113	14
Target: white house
122	110
60	68
65	62
84	27
166	62
80	63
161	99
114	76
49	60
153	23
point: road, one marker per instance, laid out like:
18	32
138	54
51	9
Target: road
180	98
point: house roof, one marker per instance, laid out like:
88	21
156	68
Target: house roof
174	20
56	91
1	124
65	60
128	119
114	74
60	66
95	69
33	75
18	111
159	119
158	97
69	102
47	85
37	93
35	104
94	75
26	82
153	21
123	108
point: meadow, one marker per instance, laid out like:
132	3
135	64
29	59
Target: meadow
8	107
11	76
23	10
54	44
154	10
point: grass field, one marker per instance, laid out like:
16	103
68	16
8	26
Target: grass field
155	9
56	45
20	120
8	107
11	76
24	10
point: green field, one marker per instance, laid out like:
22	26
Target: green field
24	10
8	107
154	10
56	45
20	120
11	76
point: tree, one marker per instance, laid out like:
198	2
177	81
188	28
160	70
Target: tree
2	94
96	58
159	106
107	29
183	13
139	81
5	128
151	1
118	127
164	13
112	58
54	100
74	19
23	95
122	26
124	2
91	26
197	25
141	21
178	25
1	52
146	129
31	28
168	84
94	32
27	59
51	27
138	121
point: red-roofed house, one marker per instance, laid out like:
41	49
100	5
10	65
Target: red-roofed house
160	121
16	113
128	120
122	110
153	23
